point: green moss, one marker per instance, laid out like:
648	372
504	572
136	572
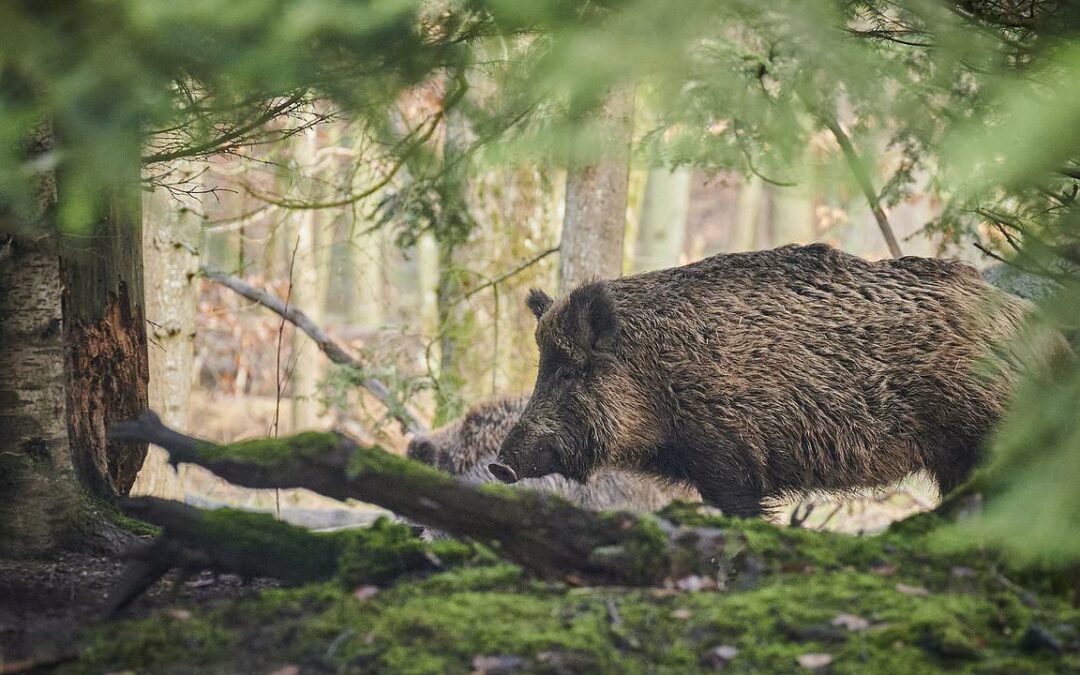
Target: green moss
381	553
788	588
374	458
645	549
156	643
454	553
272	451
115	516
439	624
502	491
299	554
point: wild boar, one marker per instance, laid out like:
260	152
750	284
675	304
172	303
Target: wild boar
466	447
762	375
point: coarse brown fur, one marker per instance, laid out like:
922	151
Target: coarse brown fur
759	375
466	446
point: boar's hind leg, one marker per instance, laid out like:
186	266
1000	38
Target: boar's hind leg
950	469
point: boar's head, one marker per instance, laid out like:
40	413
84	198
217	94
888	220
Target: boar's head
458	446
578	407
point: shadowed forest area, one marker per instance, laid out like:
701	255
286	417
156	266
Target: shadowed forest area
488	336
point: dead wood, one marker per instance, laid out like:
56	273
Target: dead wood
544	534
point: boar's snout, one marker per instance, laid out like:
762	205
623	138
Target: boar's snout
503	472
527	460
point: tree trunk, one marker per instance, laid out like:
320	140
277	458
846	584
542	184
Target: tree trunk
171	232
662	231
451	234
545	534
308	285
104	330
38	486
595	219
307	362
751	199
72	361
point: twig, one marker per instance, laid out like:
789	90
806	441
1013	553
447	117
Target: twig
802	511
230	138
862	177
829	517
506	275
333	349
280	339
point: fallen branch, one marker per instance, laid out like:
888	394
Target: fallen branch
329	346
544	534
256	545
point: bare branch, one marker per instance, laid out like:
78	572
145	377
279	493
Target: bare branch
862	177
506	275
329	346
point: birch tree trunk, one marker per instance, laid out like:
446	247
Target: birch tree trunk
750	202
662	231
308	289
171	233
38	486
307	362
367	260
72	362
594	222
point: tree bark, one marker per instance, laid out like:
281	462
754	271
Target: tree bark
750	201
72	358
104	330
171	233
38	485
452	236
662	231
594	222
307	287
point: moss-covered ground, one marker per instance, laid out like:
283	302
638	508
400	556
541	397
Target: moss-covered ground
892	603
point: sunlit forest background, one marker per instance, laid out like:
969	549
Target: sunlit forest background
320	219
394	176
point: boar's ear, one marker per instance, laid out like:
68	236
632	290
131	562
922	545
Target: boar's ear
538	301
597	322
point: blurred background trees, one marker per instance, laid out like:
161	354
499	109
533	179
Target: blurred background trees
404	172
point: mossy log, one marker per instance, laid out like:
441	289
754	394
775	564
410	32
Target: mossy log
256	545
544	534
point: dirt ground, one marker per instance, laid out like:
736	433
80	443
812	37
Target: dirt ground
44	603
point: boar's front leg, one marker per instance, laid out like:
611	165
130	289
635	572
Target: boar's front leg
733	499
718	471
730	487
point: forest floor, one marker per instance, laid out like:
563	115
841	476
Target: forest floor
789	600
45	604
